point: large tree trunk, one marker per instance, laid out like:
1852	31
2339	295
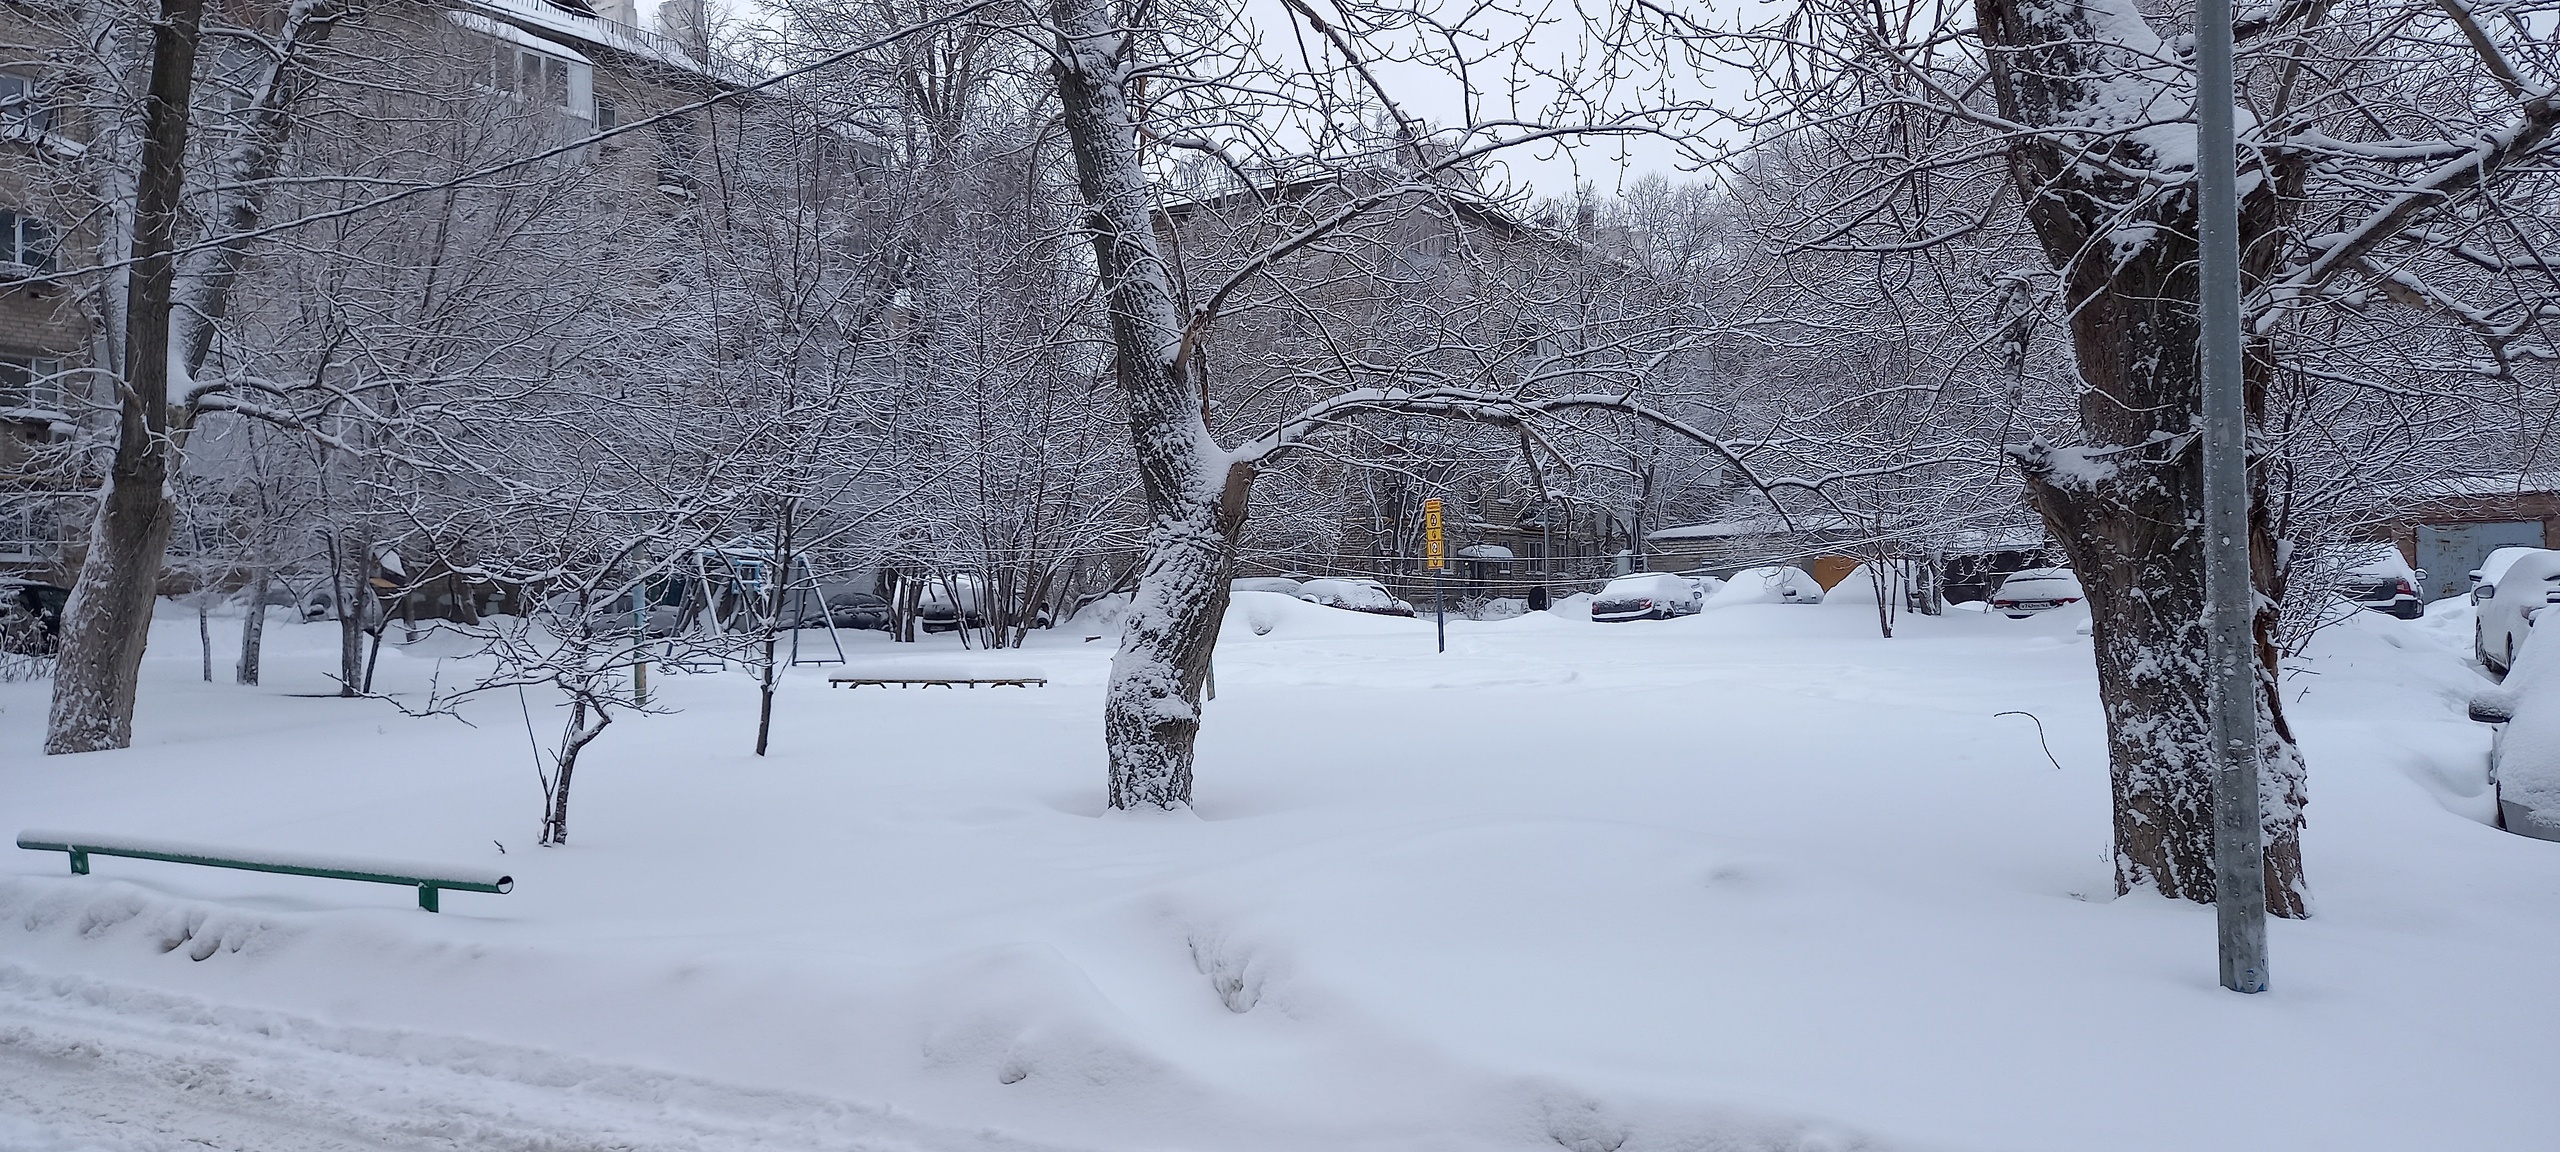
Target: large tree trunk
108	618
2127	505
1195	491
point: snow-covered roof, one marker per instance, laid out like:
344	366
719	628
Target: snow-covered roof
1484	552
2501	484
1729	529
541	16
514	35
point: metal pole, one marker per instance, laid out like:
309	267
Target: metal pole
2239	860
640	645
1439	610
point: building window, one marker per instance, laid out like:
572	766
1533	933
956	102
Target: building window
25	241
29	381
529	76
608	116
23	104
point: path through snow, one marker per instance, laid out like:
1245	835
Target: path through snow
90	1066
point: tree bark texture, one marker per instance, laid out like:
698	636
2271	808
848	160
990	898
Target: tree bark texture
253	627
1195	491
108	618
2127	505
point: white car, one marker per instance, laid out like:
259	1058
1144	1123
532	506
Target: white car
2035	590
2524	754
1279	584
2529	586
2484	579
1773	584
1647	596
1354	596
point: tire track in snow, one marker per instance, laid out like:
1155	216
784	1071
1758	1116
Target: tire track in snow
89	1066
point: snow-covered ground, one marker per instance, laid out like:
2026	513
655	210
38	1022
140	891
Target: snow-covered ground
1750	879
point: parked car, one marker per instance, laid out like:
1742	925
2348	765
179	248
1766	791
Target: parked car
1708	583
2529	586
940	610
850	607
2524	748
1647	596
1283	585
2376	577
2034	590
2484	579
31	616
1771	584
1354	596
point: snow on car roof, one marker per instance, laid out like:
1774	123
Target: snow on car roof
2499	561
1638	581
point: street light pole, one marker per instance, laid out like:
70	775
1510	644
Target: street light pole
2239	860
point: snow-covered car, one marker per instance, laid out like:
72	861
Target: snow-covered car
845	606
1647	596
2376	576
1282	585
1708	583
2034	590
1354	596
2524	750
2484	579
951	602
2528	589
1773	584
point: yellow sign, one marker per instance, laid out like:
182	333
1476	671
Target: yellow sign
1434	555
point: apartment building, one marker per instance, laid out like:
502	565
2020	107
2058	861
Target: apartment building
597	66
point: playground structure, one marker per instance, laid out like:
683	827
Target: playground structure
726	596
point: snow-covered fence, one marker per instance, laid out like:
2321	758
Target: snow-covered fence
428	879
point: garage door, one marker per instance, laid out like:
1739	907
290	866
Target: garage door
2450	551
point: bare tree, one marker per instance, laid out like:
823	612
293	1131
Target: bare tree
2391	156
169	308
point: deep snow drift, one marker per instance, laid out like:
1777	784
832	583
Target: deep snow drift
1750	879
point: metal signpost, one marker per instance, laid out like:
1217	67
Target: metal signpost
2239	862
1435	556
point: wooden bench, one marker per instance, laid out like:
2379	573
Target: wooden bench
427	879
939	681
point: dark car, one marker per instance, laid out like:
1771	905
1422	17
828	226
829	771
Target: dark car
864	610
1647	596
2379	579
31	617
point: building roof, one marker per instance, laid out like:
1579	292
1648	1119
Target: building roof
587	28
2497	484
1734	529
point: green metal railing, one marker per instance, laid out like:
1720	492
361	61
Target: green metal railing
81	848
